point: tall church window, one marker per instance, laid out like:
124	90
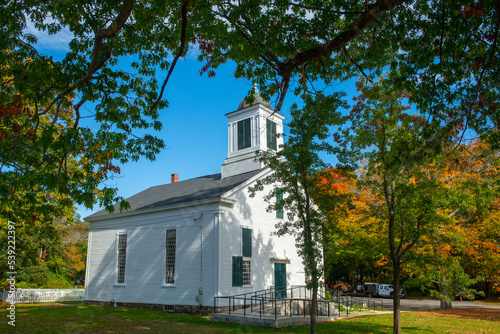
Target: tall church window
170	248
122	256
242	265
244	134
247	272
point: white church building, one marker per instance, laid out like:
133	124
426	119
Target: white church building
182	244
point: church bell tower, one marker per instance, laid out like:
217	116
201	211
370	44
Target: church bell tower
251	128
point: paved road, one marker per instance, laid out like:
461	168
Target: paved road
421	304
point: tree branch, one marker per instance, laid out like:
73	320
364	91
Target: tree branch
322	9
348	56
179	52
102	34
338	42
286	83
266	56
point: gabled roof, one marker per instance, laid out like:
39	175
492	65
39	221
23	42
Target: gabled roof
200	188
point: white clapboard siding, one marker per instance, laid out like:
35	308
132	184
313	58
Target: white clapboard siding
145	257
207	237
266	248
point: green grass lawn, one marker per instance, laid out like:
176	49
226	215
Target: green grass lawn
51	318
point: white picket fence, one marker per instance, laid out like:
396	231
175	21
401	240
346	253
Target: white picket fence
43	295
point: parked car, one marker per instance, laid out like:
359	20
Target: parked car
378	290
387	290
466	293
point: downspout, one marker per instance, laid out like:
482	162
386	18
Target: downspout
200	290
218	253
199	298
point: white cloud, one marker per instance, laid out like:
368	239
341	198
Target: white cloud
56	42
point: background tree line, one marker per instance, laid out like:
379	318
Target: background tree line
426	213
49	255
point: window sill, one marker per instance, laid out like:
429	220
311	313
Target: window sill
169	285
120	285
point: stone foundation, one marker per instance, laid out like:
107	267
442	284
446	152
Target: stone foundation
186	309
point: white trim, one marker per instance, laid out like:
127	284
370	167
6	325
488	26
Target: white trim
251	108
216	254
147	223
279	260
240	155
230	145
87	268
218	225
221	200
255	135
245	184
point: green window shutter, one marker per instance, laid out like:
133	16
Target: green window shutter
244	134
279	199
237	271
247	242
271	135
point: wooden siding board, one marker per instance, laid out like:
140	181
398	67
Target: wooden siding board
144	274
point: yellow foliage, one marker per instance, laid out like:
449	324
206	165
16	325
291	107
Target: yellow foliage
382	261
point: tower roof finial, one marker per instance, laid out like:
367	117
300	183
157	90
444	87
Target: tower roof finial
256	98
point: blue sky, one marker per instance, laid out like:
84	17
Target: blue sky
194	124
194	129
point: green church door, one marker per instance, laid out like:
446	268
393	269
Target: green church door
280	280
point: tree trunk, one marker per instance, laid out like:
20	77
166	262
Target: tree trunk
397	296
311	263
444	304
309	256
389	192
314	303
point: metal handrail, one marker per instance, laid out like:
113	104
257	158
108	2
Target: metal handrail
268	296
262	299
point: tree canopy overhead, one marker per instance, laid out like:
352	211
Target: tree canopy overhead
444	54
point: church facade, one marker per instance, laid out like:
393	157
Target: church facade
186	242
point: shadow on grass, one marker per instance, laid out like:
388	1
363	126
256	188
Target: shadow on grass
99	319
366	324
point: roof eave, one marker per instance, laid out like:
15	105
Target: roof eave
221	200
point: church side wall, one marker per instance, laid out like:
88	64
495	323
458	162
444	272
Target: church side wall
145	258
267	249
